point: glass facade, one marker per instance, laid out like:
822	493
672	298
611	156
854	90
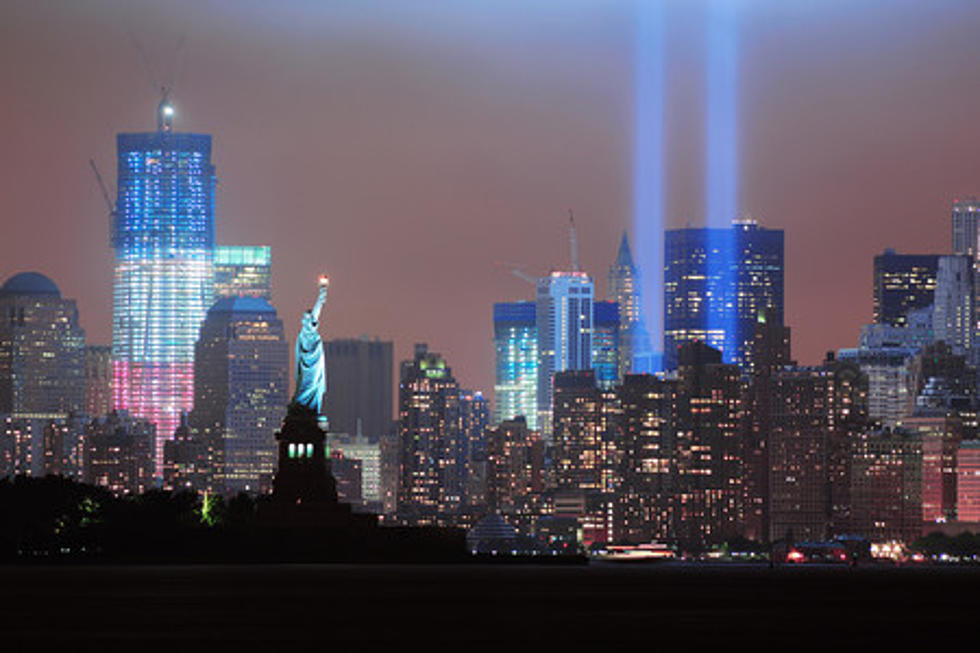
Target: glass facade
717	282
42	349
903	283
605	344
241	389
564	320
515	340
163	237
243	271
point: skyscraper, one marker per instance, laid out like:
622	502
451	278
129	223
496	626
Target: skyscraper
359	386
966	242
474	418
953	303
964	223
885	494
709	466
241	388
717	301
564	324
902	283
816	413
635	353
243	271
163	237
515	343
648	458
968	481
42	349
515	457
98	380
605	344
577	436
431	469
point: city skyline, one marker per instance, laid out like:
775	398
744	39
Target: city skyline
445	92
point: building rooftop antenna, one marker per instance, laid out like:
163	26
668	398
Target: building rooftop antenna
165	111
573	240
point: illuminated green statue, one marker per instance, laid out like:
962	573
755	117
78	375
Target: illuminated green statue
311	379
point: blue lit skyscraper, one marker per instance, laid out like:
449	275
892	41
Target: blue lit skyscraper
163	237
564	320
515	341
605	344
719	304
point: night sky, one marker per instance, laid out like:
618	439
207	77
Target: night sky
407	148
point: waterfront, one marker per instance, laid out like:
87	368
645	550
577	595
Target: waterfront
269	606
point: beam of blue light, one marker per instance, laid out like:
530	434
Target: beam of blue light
648	168
721	160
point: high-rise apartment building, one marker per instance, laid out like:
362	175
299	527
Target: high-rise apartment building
119	454
42	349
163	238
431	465
886	369
605	344
515	461
474	418
940	436
968	481
771	353
816	412
886	486
564	323
243	271
966	242
716	284
359	386
515	343
953	304
37	444
903	283
241	387
578	437
368	454
648	458
707	447
98	380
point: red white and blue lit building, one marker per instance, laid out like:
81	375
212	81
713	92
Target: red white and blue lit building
163	238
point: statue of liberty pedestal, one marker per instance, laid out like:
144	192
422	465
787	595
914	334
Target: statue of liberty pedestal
311	380
304	477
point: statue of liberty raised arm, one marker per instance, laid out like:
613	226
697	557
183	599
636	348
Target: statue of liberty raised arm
311	379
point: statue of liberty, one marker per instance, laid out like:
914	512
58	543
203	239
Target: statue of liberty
311	380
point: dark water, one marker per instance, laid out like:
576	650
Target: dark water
323	607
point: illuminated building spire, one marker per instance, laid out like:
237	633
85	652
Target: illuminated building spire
165	111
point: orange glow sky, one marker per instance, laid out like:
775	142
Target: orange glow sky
404	148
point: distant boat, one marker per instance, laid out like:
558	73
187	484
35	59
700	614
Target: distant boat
649	552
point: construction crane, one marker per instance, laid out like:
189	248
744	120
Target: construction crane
105	195
515	269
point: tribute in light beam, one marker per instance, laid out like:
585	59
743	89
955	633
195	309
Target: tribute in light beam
721	161
648	170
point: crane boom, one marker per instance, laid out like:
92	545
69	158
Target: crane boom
521	274
105	192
